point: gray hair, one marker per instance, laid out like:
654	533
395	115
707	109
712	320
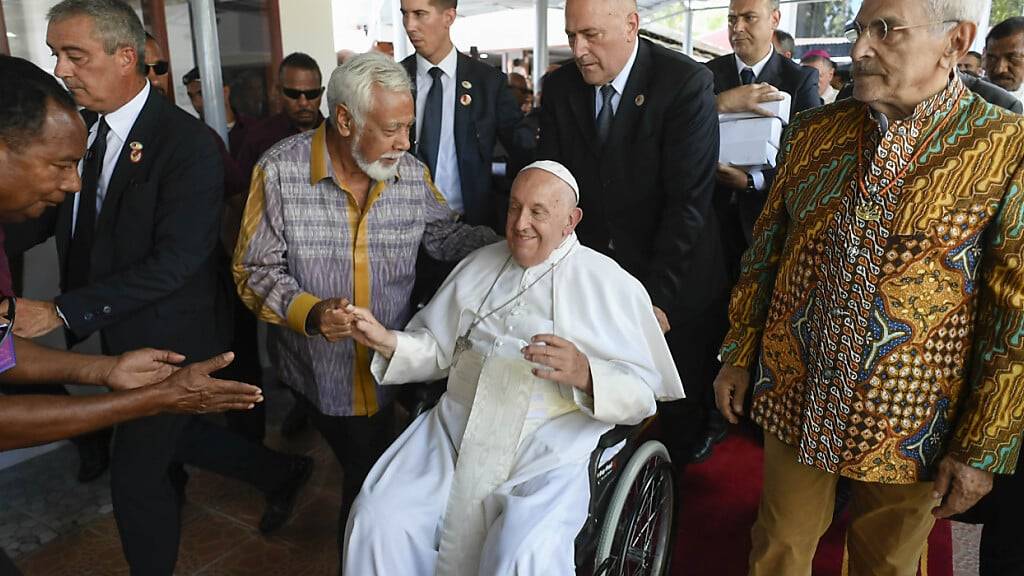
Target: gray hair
958	10
352	83
114	22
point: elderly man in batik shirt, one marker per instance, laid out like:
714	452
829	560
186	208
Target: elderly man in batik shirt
336	216
885	292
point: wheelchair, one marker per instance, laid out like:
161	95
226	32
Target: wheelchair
629	527
630	521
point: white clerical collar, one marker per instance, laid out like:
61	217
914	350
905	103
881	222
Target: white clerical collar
447	65
121	120
568	243
758	67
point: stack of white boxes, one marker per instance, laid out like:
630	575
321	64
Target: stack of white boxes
749	140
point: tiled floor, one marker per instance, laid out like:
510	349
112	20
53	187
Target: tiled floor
53	526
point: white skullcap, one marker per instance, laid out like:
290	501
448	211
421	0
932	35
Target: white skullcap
558	170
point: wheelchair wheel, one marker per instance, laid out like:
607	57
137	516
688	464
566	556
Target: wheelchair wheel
636	531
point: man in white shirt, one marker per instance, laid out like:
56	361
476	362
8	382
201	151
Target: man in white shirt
547	345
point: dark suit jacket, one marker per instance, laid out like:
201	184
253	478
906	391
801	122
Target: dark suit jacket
645	195
801	82
153	275
492	113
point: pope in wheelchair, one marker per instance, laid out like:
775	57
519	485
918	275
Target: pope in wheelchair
547	345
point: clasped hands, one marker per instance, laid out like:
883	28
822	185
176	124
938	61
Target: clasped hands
330	319
561	361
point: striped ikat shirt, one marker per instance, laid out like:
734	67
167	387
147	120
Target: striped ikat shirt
304	238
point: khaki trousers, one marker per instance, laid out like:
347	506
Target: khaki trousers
889	523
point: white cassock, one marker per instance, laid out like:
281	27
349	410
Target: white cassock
493	480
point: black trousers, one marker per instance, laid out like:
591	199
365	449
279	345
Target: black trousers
694	347
357	443
7	567
245	368
146	502
1002	512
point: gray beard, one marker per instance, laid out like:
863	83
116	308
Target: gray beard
375	170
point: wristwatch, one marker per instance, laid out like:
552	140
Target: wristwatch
750	183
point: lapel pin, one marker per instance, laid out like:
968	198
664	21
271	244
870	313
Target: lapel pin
467	84
466	100
136	152
639	100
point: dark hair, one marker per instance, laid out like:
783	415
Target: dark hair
25	93
1006	28
445	4
786	41
300	61
974	54
817	58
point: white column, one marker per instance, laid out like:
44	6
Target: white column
308	26
540	44
204	26
400	40
983	25
688	38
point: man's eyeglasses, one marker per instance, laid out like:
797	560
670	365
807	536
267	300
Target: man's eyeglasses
159	67
309	94
880	29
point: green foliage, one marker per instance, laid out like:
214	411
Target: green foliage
1003	9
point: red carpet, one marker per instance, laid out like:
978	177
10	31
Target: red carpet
719	504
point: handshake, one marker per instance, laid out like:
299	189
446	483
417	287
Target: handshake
336	319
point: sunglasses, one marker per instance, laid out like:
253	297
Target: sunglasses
159	67
309	94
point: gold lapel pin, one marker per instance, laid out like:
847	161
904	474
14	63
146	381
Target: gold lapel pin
136	152
466	100
639	100
467	84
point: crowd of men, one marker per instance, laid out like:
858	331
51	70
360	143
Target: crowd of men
858	298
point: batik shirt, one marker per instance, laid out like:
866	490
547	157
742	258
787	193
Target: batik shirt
882	297
305	238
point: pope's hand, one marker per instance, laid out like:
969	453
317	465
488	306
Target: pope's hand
329	319
565	363
730	390
370	333
35	318
748	99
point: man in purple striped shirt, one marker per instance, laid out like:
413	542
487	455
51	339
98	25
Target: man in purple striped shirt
336	216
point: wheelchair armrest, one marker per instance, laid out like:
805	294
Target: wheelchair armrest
614	436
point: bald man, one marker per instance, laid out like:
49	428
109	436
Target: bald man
493	480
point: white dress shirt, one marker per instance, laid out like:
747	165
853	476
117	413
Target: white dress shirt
756	68
619	83
446	176
121	122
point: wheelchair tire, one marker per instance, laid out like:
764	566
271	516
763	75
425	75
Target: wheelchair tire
636	531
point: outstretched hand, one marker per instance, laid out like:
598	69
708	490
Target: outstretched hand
191	390
141	368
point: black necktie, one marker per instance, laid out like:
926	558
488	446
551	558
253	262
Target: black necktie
746	76
80	249
430	131
604	117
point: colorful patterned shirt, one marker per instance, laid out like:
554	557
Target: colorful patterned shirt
304	238
883	296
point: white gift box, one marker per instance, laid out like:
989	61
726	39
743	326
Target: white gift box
752	140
